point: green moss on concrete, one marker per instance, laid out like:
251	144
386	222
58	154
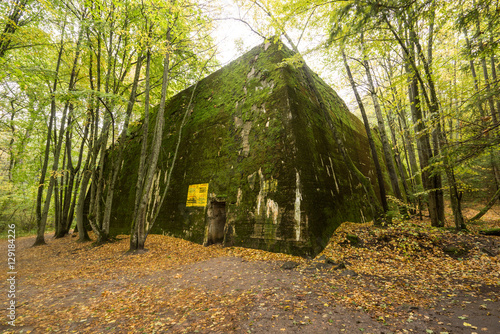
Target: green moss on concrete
258	138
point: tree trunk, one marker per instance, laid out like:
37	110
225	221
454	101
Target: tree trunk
423	146
12	156
392	127
494	78
41	221
94	149
433	182
389	160
99	152
74	182
53	178
488	206
397	157
82	231
116	72
142	163
493	231
455	197
496	173
378	169
176	151
474	75
437	134
11	26
57	205
494	167
67	191
491	103
138	238
118	160
98	181
410	150
456	205
86	173
57	151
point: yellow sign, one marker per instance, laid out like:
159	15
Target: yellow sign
197	195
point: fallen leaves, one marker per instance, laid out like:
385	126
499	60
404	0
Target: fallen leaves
164	289
409	264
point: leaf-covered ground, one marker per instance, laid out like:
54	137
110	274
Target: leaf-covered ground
401	279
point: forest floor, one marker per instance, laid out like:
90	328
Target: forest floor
406	278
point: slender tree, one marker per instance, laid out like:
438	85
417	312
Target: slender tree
42	215
371	142
389	160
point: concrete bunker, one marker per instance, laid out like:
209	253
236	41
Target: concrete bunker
257	165
216	222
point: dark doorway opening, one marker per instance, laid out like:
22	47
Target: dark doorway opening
216	217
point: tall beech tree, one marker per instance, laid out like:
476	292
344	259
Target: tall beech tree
371	142
389	159
41	214
174	31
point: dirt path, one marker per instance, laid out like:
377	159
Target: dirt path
180	287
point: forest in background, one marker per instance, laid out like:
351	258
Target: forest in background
76	76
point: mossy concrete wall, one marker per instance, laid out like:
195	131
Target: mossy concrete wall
256	135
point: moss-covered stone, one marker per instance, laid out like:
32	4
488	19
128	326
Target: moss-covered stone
256	135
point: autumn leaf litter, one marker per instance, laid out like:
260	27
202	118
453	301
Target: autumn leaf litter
405	265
